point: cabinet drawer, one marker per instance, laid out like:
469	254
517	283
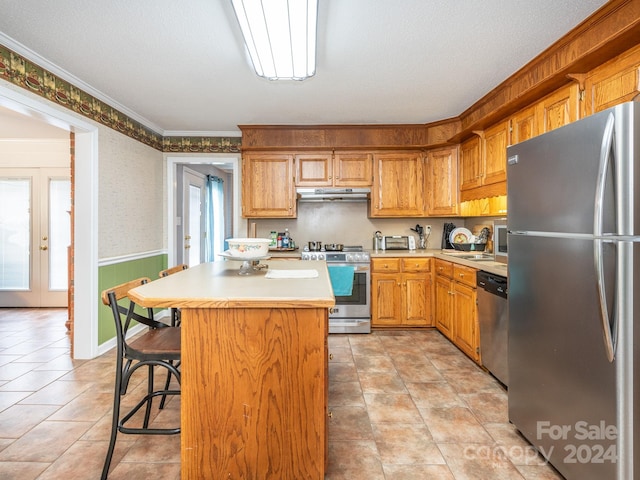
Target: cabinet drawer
416	264
444	268
464	275
385	264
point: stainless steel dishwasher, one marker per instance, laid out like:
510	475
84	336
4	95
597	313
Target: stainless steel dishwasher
493	317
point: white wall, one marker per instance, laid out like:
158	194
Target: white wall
132	215
28	153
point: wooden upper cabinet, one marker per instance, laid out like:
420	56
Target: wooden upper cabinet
496	140
352	169
314	169
442	181
398	186
333	170
614	82
268	189
524	125
560	108
483	158
471	163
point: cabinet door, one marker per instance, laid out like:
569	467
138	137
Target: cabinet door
353	169
267	186
386	299
524	125
496	140
470	164
314	169
442	181
558	109
398	187
465	329
417	299
612	83
444	305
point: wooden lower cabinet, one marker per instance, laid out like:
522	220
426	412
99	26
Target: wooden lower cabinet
401	292
456	313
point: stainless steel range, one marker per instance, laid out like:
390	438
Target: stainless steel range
352	313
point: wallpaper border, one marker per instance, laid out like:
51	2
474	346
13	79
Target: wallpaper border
22	72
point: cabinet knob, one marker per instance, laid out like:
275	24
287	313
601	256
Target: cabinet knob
331	356
462	275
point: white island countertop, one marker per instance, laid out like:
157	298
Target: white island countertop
218	285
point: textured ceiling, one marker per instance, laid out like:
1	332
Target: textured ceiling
181	66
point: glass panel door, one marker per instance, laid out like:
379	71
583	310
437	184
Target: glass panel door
15	233
35	232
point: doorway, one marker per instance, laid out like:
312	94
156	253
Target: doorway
85	225
35	233
236	226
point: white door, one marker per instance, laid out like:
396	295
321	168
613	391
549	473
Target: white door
193	208
35	232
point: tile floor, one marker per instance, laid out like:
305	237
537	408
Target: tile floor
405	405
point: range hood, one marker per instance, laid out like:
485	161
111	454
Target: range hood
332	194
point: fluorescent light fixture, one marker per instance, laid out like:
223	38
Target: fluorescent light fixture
280	36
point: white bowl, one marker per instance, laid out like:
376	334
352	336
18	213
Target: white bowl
249	247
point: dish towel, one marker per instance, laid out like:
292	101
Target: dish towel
341	280
291	274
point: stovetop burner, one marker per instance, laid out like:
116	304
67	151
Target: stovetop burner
348	254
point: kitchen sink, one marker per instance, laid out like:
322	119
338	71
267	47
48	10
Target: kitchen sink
477	257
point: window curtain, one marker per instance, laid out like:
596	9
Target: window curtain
215	218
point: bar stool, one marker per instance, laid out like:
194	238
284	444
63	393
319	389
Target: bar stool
175	312
159	346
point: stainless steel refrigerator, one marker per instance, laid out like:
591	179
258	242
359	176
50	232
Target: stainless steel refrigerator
574	293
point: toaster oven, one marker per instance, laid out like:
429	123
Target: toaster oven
398	242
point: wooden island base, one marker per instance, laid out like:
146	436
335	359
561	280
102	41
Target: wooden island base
254	393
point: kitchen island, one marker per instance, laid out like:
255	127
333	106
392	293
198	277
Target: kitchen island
254	368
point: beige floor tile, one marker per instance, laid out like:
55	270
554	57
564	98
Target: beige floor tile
434	395
17	420
45	442
417	472
454	425
375	382
343	372
84	460
59	392
21	470
32	381
387	408
349	423
406	444
351	460
478	462
346	394
374	364
488	407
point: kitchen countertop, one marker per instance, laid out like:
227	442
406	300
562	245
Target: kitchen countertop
218	285
491	266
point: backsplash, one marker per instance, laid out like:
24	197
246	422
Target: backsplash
348	223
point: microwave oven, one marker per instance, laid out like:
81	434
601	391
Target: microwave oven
500	247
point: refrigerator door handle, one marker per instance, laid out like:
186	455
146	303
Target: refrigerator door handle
608	330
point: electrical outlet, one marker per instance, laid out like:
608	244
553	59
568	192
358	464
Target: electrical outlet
427	229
